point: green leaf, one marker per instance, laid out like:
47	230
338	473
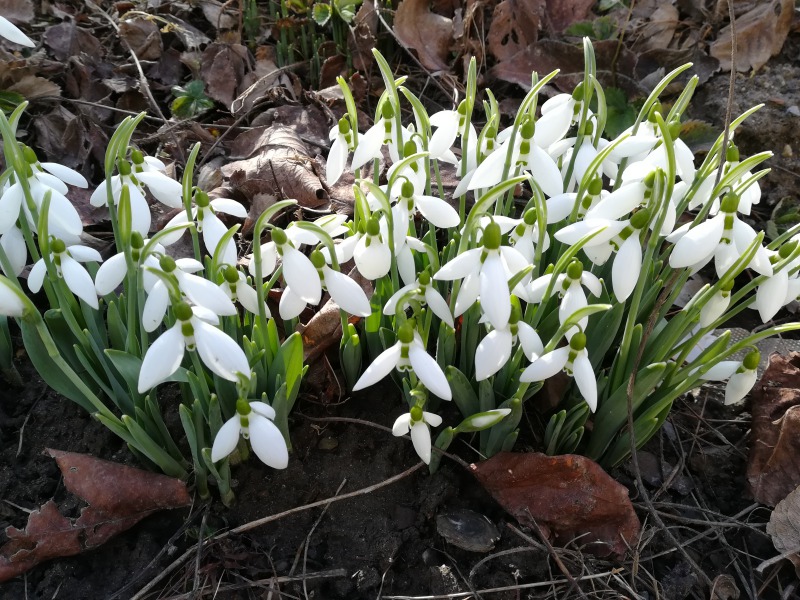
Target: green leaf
321	13
463	394
443	441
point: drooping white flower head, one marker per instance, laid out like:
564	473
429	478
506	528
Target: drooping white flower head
407	354
342	137
418	422
569	286
12	300
496	347
344	291
574	361
67	261
194	329
383	132
112	272
741	376
424	292
238	290
371	252
254	421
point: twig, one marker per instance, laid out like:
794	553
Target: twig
196	586
775	559
310	533
264	520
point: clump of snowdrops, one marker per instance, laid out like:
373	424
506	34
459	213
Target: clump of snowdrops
478	302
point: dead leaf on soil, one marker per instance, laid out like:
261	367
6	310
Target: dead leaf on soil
431	35
563	13
67	39
773	469
17	11
568	496
62	136
143	37
216	14
657	33
118	498
724	588
32	86
364	37
514	25
760	34
222	68
784	527
275	164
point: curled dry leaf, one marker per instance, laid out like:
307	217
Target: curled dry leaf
784	527
760	34
431	35
18	11
563	13
222	69
567	496
724	588
363	40
657	33
773	469
514	25
67	39
118	498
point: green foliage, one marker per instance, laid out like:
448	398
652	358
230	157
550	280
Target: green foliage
190	100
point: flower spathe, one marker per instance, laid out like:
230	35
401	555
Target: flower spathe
194	329
408	354
418	422
254	422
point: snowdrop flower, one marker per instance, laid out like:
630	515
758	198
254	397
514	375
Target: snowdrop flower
741	376
194	329
408	354
236	288
344	291
525	236
371	253
433	208
298	272
495	348
526	154
716	306
574	361
12	301
113	271
383	132
342	137
418	422
569	286
13	34
332	224
254	421
449	125
198	290
487	271
162	187
12	241
67	261
204	213
421	291
781	288
150	171
723	237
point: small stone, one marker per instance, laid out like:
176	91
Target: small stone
468	530
787	151
328	443
793	110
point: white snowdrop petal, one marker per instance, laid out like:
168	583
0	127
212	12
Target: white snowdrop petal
444	137
219	352
140	211
226	440
553	125
591	283
267	442
771	295
155	306
373	261
84	253
545	172
301	276
406	266
206	293
63	219
162	359
495	296
390	307
739	385
490	171
586	154
697	242
337	159
269	259
421	438
432	419
110	274
291	305
429	372
538	287
14	34
604	231
461	266
248	298
619	203
721	370
585	379
715	308
438	305
229	207
65	174
213	231
11	305
546	365
347	294
437	211
369	145
468	294
164	189
632	146
492	353
13	243
10	205
380	367
531	343
401	425
626	269
743	235
78	280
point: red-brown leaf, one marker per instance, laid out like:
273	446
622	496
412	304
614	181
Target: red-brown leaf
774	466
118	498
568	496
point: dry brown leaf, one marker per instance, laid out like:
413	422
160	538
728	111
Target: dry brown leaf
514	25
563	13
760	34
364	35
659	30
118	498
222	68
773	469
724	588
784	527
215	13
62	135
431	35
17	11
32	86
143	37
67	39
567	496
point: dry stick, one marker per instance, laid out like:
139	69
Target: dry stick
634	456
310	533
199	555
264	520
